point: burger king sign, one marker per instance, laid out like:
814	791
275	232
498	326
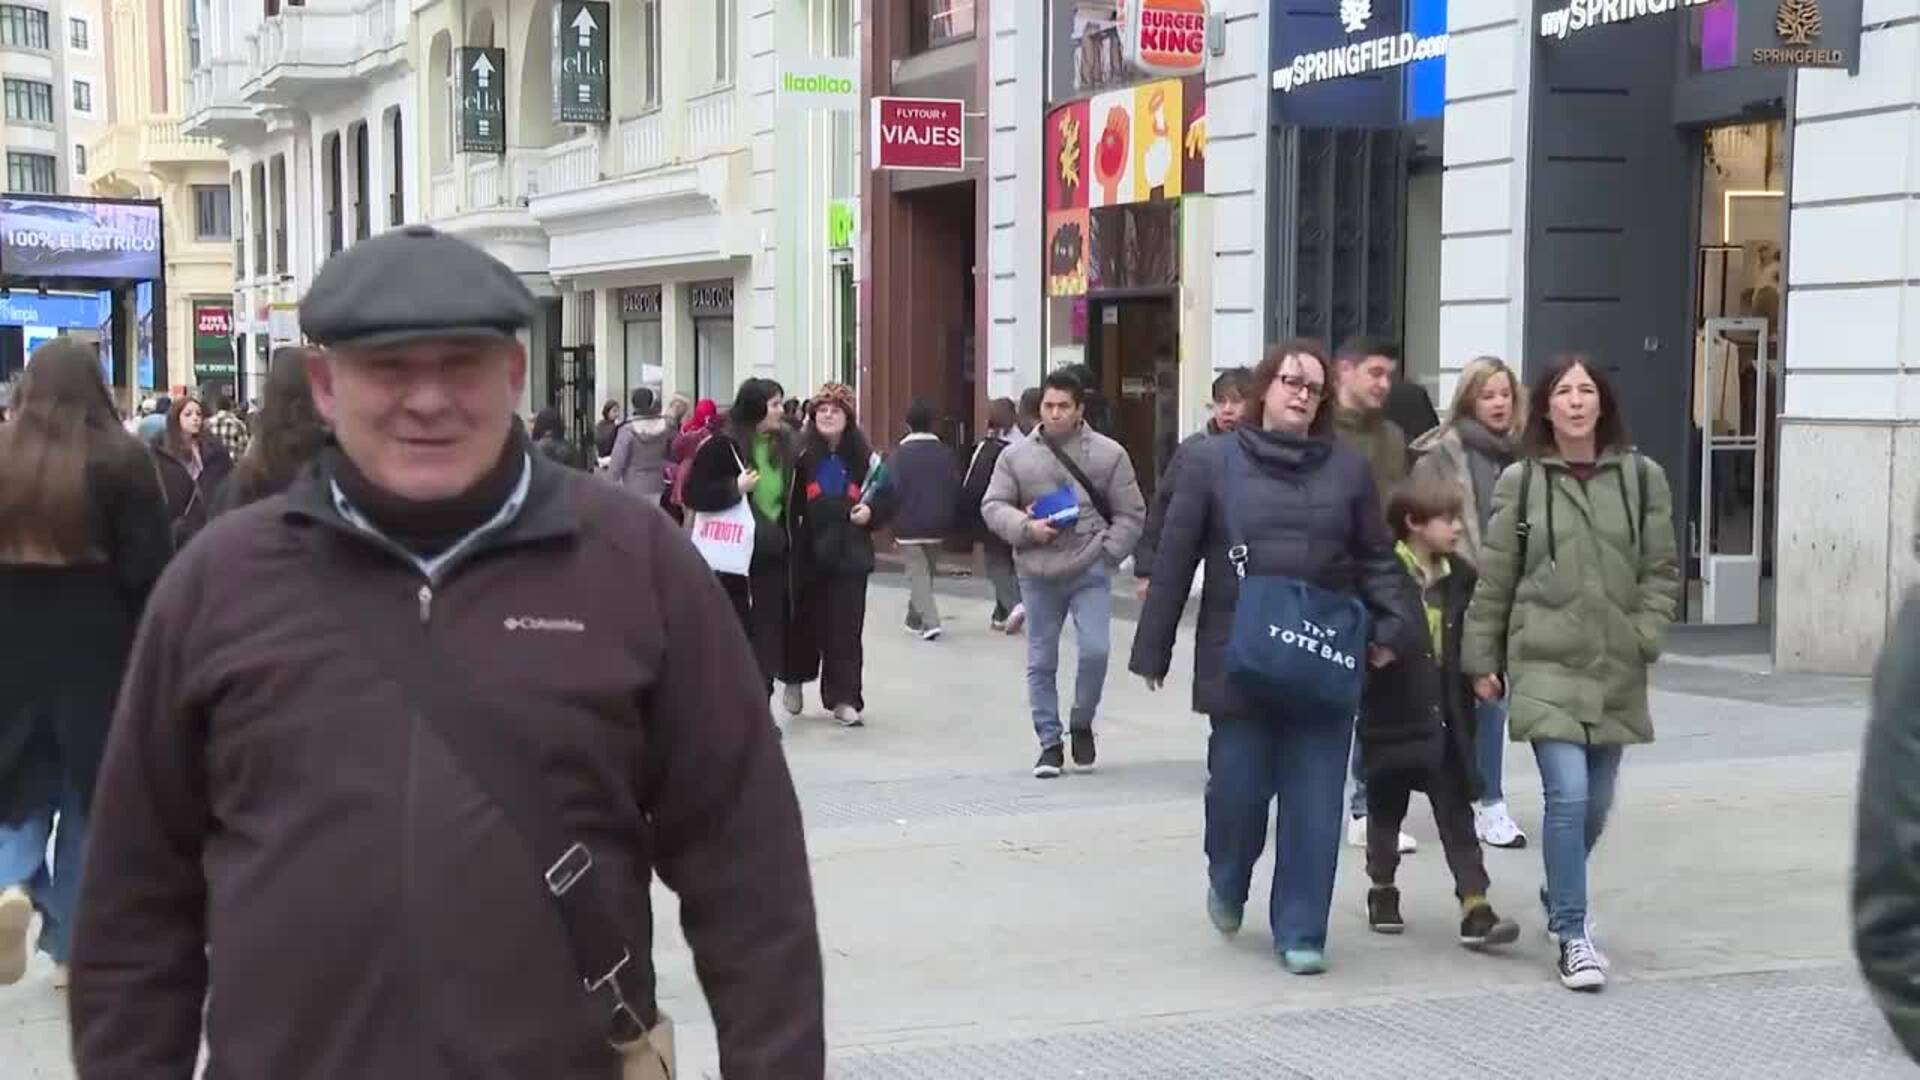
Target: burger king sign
1165	37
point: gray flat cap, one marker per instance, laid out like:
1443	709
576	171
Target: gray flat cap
409	284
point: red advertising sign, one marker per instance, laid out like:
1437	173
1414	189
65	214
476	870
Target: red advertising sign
213	321
918	133
1166	37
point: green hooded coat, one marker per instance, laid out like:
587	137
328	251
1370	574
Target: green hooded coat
1576	631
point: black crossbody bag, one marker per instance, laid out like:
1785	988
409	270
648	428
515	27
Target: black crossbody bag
1094	495
507	773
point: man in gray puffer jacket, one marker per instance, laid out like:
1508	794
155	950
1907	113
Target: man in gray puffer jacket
1069	503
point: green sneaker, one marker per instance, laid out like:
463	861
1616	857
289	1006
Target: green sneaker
1304	961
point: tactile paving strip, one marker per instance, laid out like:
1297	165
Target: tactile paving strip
1777	1026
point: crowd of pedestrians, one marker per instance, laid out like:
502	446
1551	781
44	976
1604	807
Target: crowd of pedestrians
386	547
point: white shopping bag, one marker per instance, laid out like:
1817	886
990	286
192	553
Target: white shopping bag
725	539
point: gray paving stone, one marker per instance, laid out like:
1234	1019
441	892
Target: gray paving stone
1787	1025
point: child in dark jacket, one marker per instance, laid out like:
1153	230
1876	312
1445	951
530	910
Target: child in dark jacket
1416	723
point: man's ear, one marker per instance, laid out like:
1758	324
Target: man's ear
319	364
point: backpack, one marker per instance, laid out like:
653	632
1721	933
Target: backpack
976	480
677	488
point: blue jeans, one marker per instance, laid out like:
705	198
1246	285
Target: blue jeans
55	889
1357	802
1089	599
1301	760
1578	782
1490	749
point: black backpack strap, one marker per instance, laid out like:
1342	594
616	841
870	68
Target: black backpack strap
507	772
1094	494
1524	529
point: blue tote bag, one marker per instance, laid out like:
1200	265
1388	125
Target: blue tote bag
1292	644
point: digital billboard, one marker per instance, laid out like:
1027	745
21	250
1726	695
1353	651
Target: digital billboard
70	238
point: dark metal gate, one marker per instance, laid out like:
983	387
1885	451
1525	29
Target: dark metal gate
1341	197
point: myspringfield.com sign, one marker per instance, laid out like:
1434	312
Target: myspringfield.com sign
1586	14
1360	58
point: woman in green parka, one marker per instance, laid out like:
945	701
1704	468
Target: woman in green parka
1578	584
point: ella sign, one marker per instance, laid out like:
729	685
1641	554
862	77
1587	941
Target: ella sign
918	133
1165	37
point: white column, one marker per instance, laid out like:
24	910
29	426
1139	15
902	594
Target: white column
1016	150
756	308
1849	431
1483	235
1239	138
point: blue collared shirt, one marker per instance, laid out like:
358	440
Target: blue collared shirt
431	568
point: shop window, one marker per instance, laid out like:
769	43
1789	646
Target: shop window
23	27
1083	49
713	358
31	173
940	22
29	100
212	213
1135	247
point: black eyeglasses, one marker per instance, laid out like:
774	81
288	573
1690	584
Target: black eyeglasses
1298	385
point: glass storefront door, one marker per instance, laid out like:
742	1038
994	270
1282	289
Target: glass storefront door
713	359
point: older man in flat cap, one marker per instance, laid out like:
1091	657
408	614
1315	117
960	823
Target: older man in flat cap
400	751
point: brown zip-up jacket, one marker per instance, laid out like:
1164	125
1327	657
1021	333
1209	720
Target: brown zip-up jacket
278	828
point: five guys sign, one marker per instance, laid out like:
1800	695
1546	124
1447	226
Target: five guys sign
918	133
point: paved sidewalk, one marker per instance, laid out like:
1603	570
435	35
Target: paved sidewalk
978	923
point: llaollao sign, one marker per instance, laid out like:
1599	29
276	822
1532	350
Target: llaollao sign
1165	37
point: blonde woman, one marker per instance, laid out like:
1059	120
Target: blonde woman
1469	449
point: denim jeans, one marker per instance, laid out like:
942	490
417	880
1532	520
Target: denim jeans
55	889
1357	802
1490	749
1300	760
1578	782
1089	599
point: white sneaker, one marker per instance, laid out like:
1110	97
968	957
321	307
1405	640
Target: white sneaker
16	912
1016	618
1581	966
791	697
1357	836
848	716
1496	827
1593	943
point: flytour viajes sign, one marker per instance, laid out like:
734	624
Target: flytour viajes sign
818	84
480	88
580	31
1366	51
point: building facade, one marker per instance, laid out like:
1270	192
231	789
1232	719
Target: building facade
633	164
1667	189
142	152
314	106
53	63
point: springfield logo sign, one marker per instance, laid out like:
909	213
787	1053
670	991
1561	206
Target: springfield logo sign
79	238
1801	27
1360	58
1587	14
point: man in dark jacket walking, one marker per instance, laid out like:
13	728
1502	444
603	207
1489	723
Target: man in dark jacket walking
1229	401
924	486
293	833
1008	615
1886	874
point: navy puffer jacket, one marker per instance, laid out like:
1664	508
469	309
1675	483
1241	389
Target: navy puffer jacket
1308	511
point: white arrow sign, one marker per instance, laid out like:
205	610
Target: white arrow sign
584	24
483	69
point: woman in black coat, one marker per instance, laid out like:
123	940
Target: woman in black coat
753	460
1309	512
832	519
83	537
193	467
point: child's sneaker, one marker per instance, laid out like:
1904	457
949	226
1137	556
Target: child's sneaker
1383	910
1480	927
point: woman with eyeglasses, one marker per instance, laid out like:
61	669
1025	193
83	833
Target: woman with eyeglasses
1307	510
1579	581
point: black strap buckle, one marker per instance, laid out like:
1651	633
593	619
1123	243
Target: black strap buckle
1237	555
567	871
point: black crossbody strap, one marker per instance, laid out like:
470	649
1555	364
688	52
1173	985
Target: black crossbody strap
507	772
1094	495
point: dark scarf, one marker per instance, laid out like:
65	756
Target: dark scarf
1487	455
431	528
